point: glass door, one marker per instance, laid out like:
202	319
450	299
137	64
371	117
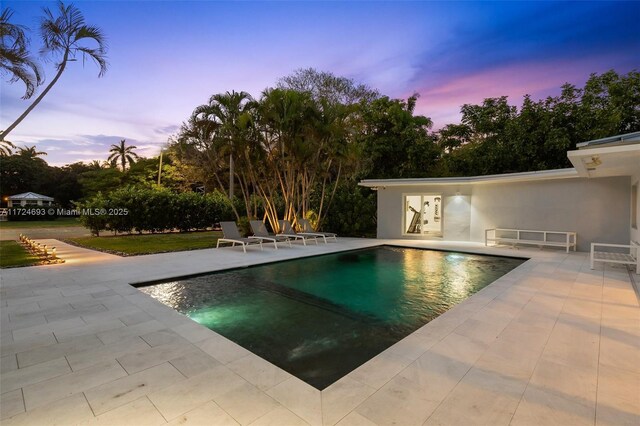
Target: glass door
423	214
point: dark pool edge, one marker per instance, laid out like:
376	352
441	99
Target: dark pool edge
525	258
140	284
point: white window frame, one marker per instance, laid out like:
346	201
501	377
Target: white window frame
404	213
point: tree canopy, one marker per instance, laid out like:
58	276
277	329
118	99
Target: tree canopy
300	148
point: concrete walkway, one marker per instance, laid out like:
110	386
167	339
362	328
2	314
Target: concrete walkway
552	342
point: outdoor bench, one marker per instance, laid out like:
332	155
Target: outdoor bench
630	258
513	237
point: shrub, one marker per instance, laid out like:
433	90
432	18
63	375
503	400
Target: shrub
94	222
154	210
353	212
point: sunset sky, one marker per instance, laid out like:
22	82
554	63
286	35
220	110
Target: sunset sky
168	57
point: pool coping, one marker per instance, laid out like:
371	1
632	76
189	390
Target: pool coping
139	285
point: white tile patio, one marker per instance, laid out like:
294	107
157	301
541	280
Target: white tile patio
552	342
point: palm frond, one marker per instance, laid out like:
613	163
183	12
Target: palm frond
64	34
5	147
97	56
14	55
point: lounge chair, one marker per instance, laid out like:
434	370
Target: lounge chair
287	231
230	234
307	229
260	233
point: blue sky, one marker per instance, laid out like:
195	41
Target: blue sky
168	57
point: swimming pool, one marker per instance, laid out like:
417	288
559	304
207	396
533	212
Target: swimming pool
321	317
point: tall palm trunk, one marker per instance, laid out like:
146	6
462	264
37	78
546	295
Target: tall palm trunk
63	65
231	172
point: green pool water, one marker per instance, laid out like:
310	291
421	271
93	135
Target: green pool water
321	317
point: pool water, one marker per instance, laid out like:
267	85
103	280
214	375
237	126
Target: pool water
321	317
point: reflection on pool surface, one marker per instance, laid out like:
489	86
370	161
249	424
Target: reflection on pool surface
321	317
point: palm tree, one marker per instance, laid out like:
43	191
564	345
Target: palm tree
123	153
30	152
64	36
14	55
230	111
5	148
97	165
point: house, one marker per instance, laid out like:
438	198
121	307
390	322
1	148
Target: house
29	199
597	198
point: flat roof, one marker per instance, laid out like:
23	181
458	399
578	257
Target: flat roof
501	178
627	138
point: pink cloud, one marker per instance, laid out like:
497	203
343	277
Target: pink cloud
442	103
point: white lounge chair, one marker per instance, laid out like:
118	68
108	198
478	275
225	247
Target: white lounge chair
287	231
230	234
307	229
260	233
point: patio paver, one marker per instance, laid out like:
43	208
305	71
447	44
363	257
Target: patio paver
551	341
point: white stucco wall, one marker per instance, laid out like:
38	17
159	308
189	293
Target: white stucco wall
635	233
455	222
597	209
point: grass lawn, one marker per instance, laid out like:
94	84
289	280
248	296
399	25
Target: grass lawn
149	243
58	223
13	254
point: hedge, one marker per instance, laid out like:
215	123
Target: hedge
133	209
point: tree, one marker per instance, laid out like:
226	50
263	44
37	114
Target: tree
15	59
123	154
609	105
5	148
304	144
288	150
22	173
325	85
64	36
100	180
97	165
144	173
394	143
30	152
229	113
64	185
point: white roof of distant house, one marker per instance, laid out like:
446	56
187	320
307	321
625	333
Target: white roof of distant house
30	196
502	178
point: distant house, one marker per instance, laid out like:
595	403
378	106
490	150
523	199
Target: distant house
598	198
29	199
